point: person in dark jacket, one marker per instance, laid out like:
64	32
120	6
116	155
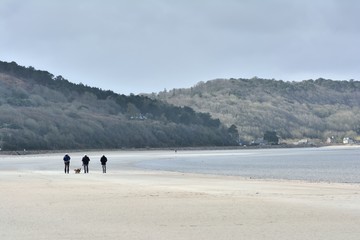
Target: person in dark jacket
103	161
67	163
86	161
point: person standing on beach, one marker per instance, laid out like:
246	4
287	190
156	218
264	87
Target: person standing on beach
86	161
103	161
67	163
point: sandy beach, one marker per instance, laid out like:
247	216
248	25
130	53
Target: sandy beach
38	201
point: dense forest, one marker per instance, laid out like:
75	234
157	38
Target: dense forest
40	111
312	109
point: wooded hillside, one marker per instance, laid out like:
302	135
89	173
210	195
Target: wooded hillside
315	109
41	111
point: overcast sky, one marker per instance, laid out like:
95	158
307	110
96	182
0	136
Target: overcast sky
144	46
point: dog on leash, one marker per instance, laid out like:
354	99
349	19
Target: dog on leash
77	170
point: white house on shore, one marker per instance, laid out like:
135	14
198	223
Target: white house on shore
348	140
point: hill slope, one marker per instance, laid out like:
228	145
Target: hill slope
41	111
308	109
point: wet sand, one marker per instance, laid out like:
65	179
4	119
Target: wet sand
38	201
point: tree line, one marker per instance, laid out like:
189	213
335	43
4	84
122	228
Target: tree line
315	109
41	111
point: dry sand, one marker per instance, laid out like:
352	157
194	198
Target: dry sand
127	203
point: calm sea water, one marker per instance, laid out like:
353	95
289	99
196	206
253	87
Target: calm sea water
309	164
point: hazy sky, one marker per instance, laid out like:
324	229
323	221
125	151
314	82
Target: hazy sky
138	46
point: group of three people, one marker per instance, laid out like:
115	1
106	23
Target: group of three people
85	161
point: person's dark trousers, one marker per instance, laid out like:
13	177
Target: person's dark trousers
104	168
86	168
67	165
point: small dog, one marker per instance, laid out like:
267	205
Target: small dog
77	170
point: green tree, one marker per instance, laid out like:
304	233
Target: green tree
234	133
271	137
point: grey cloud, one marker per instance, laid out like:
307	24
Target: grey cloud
145	46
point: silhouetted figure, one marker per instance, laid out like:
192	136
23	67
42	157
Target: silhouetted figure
103	161
86	161
67	163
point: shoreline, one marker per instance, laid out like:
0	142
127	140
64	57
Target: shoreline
41	202
136	204
209	148
138	160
